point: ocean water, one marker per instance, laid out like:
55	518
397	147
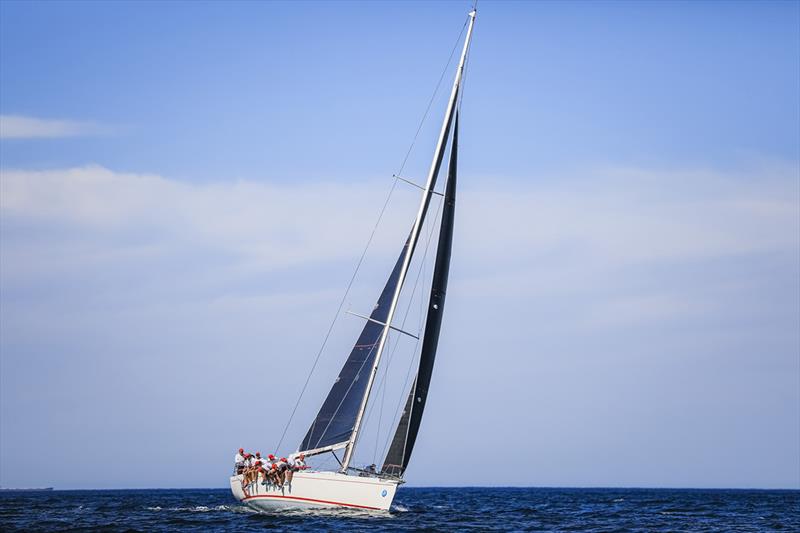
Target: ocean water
415	509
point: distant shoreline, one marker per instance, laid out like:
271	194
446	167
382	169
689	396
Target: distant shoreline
43	489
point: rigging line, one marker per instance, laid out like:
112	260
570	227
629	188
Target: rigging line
341	402
338	311
408	308
382	385
433	97
400	403
460	97
369	241
419	326
344	397
464	77
388	339
422	317
380	411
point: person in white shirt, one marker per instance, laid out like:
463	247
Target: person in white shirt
272	469
248	470
282	467
262	467
296	462
238	461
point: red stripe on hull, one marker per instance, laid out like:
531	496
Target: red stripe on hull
311	500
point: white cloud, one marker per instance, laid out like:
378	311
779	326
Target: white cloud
271	225
544	240
642	291
613	218
21	127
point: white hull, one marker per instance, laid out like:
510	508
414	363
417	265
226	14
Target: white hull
315	490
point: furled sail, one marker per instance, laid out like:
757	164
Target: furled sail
334	423
403	442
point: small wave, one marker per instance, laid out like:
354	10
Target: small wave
242	509
619	500
197	508
399	508
325	513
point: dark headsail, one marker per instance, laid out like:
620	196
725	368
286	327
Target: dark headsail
334	422
406	434
337	417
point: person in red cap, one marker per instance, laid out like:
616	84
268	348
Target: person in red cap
283	467
260	469
271	476
296	462
247	478
247	472
238	461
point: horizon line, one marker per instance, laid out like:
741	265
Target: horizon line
557	487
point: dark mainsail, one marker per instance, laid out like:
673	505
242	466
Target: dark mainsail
403	442
344	417
337	417
335	420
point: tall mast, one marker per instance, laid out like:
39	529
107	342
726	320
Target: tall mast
413	238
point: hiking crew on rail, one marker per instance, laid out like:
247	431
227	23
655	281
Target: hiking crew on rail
273	471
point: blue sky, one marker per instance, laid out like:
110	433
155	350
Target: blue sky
186	189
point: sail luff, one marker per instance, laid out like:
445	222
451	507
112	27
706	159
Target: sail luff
413	238
407	428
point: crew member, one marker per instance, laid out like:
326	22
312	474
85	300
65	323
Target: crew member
248	472
282	467
260	468
238	461
296	462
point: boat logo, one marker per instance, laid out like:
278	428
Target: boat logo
383	493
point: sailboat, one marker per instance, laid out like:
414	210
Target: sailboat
338	424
